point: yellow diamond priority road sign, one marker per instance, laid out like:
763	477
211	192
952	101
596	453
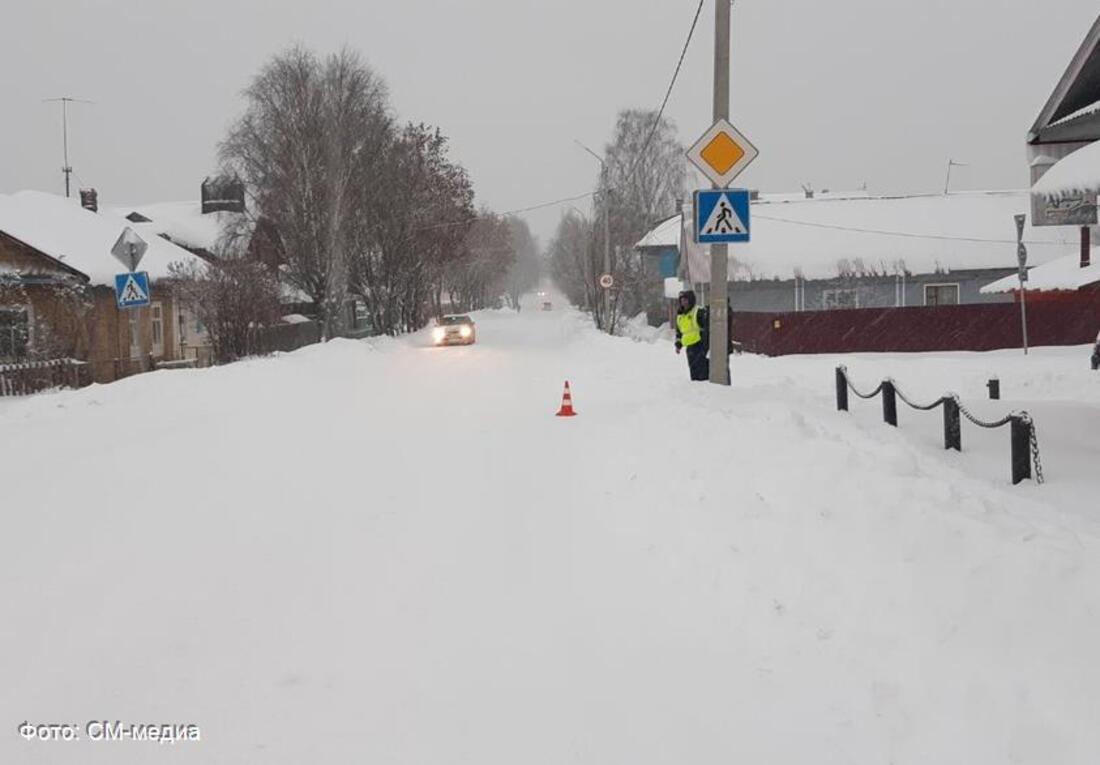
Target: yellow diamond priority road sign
722	153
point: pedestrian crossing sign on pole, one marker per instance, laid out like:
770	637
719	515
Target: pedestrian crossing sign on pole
132	289
722	216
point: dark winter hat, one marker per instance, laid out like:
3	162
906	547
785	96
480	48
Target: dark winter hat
690	295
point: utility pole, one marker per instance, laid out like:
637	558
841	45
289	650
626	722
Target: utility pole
719	253
66	169
606	246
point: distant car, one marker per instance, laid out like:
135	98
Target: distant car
547	306
454	330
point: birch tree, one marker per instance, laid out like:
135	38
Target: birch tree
311	128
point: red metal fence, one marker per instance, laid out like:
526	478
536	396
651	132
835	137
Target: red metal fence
1070	320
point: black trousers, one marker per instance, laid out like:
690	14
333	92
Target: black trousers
698	364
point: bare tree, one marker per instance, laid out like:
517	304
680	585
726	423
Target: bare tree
311	130
233	297
646	174
573	264
477	279
526	271
406	239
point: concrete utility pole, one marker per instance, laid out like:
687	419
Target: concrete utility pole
719	253
66	169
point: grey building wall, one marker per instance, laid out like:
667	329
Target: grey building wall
768	296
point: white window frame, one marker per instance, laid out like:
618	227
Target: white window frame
133	321
827	295
157	328
938	285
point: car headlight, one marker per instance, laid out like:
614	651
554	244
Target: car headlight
438	334
465	331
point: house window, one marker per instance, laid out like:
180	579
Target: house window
14	333
158	329
832	300
941	294
135	333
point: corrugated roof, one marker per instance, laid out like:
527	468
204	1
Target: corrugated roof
822	238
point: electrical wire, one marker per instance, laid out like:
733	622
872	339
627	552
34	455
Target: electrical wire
901	234
637	162
668	94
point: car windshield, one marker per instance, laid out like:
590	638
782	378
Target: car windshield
450	321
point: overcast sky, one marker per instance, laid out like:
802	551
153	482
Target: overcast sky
836	94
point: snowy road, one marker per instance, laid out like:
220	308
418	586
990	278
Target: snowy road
383	552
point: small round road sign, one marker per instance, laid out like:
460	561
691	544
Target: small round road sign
607	281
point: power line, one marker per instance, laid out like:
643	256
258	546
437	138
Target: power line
901	234
668	94
637	162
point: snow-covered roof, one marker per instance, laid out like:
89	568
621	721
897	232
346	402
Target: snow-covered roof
820	238
1080	171
80	239
1065	273
182	222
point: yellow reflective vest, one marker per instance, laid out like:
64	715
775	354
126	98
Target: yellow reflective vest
690	330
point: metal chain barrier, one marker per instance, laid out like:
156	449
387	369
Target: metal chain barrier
981	423
855	390
1024	437
918	407
1036	460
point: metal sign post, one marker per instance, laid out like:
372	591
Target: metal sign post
1021	255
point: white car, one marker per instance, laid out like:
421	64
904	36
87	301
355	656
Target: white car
454	330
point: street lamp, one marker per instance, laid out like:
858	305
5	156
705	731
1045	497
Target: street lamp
605	192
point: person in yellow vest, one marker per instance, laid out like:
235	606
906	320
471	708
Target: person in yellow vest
692	334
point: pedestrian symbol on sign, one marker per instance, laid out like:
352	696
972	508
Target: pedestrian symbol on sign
132	293
132	289
722	216
724	220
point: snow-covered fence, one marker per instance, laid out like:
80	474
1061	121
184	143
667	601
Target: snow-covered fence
283	338
1025	442
33	376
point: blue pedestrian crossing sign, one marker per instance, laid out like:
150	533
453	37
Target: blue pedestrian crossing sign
132	289
722	216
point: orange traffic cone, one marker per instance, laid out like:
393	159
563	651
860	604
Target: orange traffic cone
566	403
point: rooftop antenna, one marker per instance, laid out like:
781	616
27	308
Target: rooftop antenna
950	164
67	169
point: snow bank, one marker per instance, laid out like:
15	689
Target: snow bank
387	552
639	330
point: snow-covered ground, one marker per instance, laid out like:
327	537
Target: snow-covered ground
381	552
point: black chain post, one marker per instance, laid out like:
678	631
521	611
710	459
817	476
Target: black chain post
890	403
1021	450
952	425
841	390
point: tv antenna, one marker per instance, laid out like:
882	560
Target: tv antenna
67	169
947	184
